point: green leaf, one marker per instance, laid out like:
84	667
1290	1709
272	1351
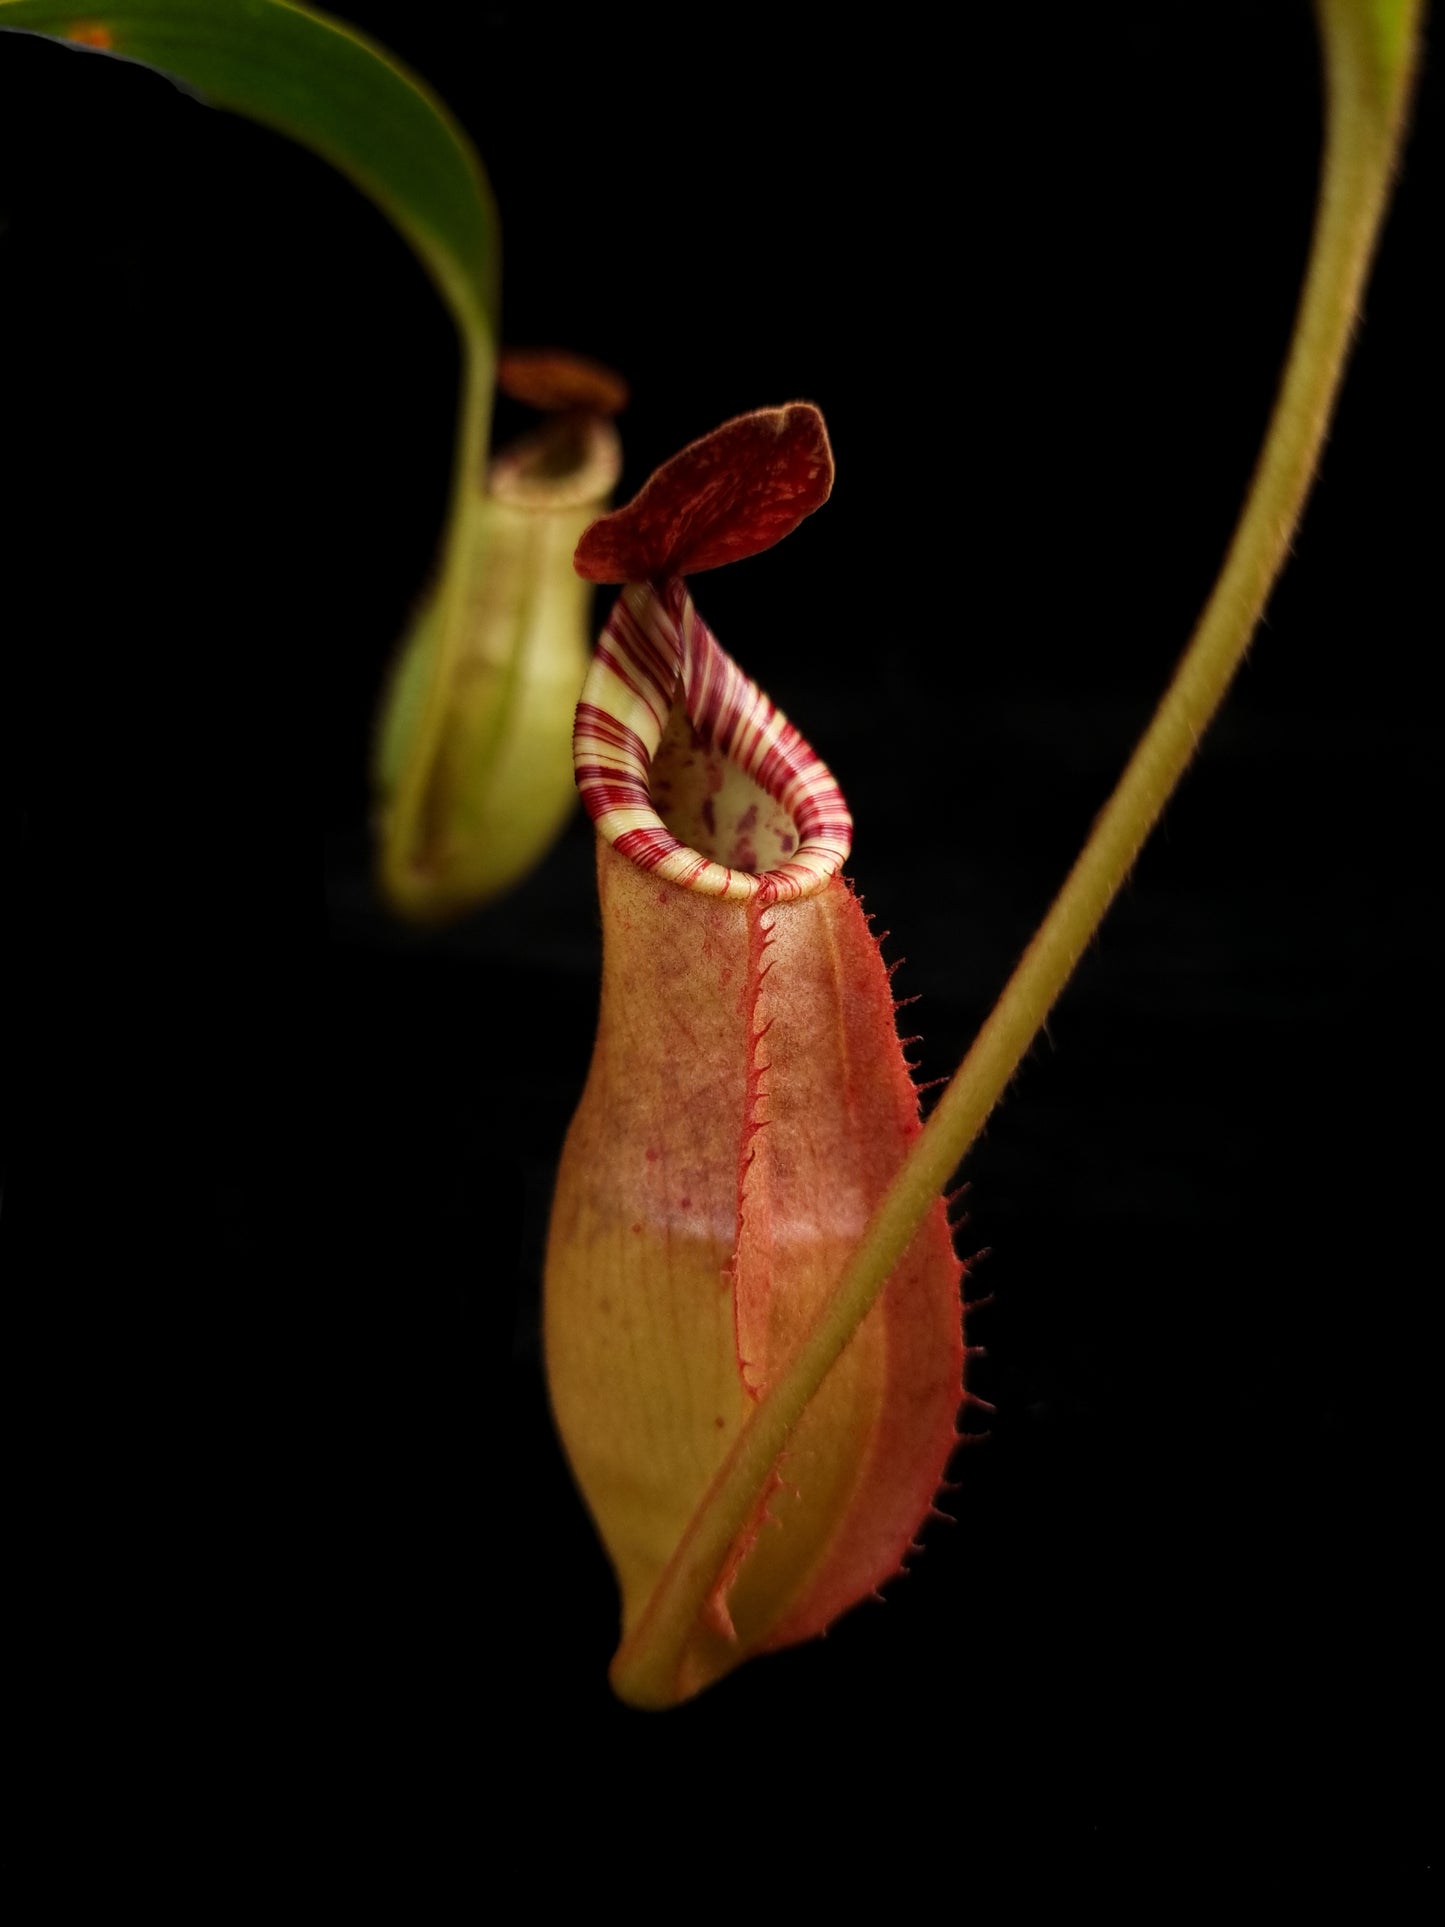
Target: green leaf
328	87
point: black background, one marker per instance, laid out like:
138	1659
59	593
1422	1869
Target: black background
1040	276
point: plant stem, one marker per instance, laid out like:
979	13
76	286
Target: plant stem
405	809
1369	48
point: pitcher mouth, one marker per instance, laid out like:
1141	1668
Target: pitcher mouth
570	462
690	772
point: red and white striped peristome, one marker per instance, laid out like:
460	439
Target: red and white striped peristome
656	650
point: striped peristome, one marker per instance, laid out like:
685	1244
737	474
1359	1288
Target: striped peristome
655	651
